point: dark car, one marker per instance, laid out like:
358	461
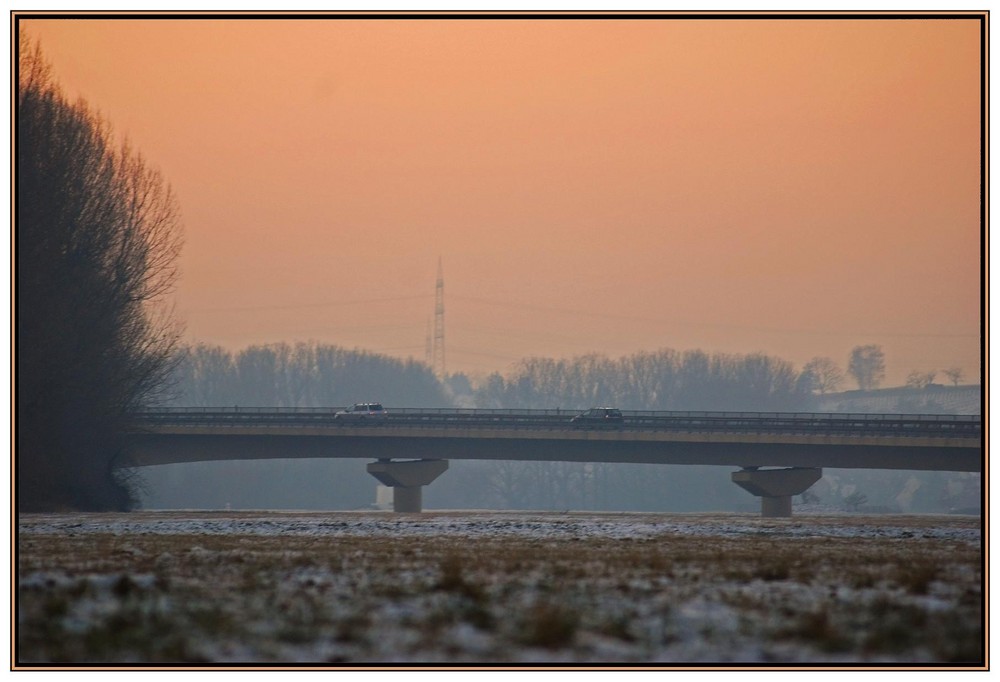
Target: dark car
362	412
597	417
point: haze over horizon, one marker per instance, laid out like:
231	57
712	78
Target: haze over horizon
793	187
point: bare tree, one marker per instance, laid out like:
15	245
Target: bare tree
97	237
823	375
954	374
920	380
867	366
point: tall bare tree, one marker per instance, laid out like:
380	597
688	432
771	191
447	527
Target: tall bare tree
97	239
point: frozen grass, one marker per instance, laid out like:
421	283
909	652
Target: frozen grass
479	588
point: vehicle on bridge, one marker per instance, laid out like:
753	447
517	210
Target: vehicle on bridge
362	412
599	417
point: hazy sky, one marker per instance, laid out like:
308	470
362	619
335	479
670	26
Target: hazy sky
796	187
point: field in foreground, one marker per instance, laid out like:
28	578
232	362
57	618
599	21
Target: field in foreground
339	588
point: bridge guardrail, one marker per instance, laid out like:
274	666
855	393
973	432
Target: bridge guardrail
951	426
569	413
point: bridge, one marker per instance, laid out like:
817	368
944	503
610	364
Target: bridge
778	454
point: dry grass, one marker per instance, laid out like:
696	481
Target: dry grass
758	597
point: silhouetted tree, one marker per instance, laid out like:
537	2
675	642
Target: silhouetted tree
97	238
303	375
920	380
664	380
205	376
954	374
822	375
867	366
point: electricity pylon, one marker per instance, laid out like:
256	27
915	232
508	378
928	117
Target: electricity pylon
438	346
429	351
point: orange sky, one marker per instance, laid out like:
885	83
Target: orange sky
796	187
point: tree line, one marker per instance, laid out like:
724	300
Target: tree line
660	380
323	375
300	375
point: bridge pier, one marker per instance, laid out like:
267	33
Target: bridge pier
775	487
407	480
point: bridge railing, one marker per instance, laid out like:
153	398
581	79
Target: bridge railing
569	413
969	426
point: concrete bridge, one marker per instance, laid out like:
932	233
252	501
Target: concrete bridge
778	454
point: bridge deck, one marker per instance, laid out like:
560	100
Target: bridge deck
919	442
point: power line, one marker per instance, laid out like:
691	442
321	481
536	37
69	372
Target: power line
574	312
392	348
330	329
434	349
300	306
720	325
531	335
465	351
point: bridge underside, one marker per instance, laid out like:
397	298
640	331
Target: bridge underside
774	470
169	448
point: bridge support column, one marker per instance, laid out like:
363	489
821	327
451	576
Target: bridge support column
407	480
775	487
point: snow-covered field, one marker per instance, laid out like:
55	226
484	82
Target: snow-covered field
480	588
